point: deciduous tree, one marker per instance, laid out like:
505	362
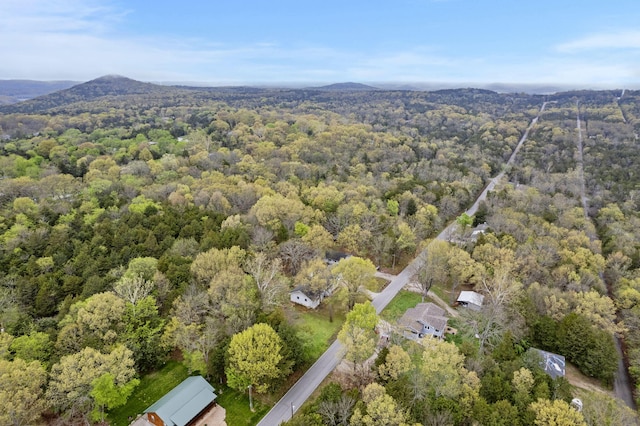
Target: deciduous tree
443	367
358	333
267	274
71	381
556	413
397	363
255	357
354	272
21	392
432	266
133	288
107	394
380	409
96	322
208	264
35	346
234	299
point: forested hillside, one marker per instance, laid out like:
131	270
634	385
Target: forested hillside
143	223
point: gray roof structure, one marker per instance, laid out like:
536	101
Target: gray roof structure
306	290
471	297
552	364
332	257
184	402
424	314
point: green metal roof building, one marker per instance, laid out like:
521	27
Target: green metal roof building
182	404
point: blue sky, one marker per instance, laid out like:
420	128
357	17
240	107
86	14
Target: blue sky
582	43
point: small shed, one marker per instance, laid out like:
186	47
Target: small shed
184	404
552	364
304	296
471	300
424	319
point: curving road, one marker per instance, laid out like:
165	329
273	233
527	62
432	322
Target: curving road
304	387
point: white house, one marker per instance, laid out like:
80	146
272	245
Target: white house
424	319
304	296
471	300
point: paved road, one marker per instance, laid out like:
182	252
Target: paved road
493	182
580	165
622	386
304	387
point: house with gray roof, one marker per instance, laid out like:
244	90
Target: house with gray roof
552	364
184	404
425	319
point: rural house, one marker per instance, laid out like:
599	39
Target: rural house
425	319
552	364
303	295
184	405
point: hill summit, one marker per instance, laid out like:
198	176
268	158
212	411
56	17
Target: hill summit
347	87
108	85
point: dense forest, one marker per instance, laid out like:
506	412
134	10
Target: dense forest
141	224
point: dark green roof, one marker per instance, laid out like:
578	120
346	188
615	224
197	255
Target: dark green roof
184	402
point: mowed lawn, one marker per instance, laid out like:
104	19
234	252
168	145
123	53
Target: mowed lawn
236	405
152	387
314	327
397	307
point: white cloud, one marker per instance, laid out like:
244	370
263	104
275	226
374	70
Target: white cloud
629	39
40	16
84	39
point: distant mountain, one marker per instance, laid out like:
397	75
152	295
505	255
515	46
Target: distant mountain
532	89
14	91
110	85
465	91
346	87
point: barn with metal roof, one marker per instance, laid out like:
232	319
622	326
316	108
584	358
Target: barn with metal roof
183	404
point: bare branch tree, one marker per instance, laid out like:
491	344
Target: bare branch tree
267	274
337	413
133	289
432	267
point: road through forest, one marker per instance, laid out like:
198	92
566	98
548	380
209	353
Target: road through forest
328	361
622	386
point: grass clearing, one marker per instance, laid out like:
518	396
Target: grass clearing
316	329
397	307
376	284
237	406
442	293
151	388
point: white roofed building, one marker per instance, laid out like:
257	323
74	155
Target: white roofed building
471	300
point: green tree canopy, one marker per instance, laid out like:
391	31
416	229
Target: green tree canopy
107	394
254	357
72	378
556	413
21	392
353	273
